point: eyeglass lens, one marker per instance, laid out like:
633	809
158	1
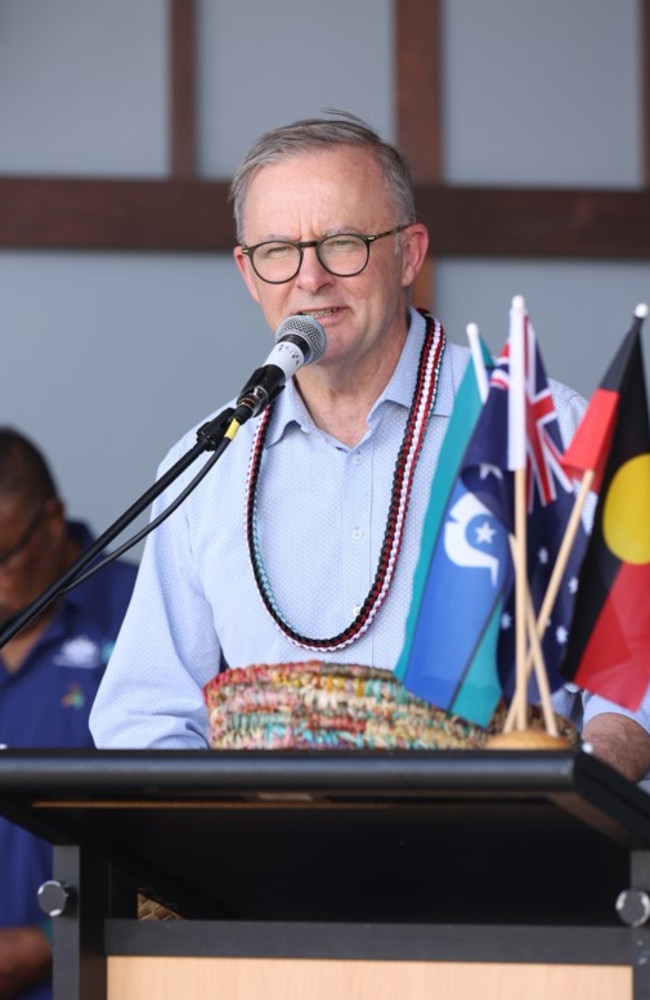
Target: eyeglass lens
343	255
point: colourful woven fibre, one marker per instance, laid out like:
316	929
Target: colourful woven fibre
316	705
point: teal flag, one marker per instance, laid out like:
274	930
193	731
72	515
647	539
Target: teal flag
449	652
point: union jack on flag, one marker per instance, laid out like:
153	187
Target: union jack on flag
494	453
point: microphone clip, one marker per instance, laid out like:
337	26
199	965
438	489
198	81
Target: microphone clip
258	392
211	434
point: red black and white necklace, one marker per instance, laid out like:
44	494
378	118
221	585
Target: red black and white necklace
422	405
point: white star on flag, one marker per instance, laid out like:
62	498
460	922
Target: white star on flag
561	634
486	470
485	533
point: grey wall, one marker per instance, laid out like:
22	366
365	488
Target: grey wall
108	358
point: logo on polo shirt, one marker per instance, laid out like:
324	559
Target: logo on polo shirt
74	697
80	652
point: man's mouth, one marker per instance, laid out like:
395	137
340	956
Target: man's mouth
319	313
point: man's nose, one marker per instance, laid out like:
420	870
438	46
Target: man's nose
312	275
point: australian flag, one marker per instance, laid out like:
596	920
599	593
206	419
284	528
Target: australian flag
488	471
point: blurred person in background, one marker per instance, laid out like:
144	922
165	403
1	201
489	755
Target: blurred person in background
49	675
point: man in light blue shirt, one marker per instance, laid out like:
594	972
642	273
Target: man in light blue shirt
302	541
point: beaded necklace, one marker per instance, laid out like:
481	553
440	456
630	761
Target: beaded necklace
422	406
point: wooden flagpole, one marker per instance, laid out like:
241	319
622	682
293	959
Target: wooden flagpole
517	463
521	595
535	658
524	621
557	574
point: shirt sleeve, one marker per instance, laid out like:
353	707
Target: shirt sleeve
594	704
151	696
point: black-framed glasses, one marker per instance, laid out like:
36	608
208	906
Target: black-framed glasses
343	254
9	554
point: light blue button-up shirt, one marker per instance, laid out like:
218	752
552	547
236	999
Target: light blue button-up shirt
321	510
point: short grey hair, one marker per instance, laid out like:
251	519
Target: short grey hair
341	129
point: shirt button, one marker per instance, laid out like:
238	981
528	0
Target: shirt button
357	533
357	458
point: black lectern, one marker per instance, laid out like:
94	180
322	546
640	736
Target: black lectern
336	874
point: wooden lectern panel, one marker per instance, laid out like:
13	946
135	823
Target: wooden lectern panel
295	979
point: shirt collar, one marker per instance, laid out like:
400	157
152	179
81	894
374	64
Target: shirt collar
289	408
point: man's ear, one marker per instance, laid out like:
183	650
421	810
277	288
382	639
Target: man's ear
415	243
246	271
54	513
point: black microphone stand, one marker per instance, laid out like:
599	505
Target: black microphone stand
212	436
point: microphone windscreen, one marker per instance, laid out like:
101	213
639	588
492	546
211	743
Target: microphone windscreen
308	328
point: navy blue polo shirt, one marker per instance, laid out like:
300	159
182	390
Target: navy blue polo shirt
46	703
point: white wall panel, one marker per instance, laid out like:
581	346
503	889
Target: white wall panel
83	87
542	92
264	64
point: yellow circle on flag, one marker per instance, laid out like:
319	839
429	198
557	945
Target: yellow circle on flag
626	514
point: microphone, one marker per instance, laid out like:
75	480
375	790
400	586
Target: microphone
299	340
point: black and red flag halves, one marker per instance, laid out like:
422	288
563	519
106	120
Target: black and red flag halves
608	651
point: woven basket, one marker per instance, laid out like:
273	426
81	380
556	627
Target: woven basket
315	705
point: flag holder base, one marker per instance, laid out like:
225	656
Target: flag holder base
527	739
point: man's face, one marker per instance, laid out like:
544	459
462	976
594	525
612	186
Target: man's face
32	539
317	194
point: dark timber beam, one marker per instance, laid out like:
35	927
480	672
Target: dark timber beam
182	97
644	57
418	100
194	215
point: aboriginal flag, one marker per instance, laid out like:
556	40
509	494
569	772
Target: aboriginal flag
608	651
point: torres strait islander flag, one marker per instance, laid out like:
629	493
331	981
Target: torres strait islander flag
608	652
449	657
